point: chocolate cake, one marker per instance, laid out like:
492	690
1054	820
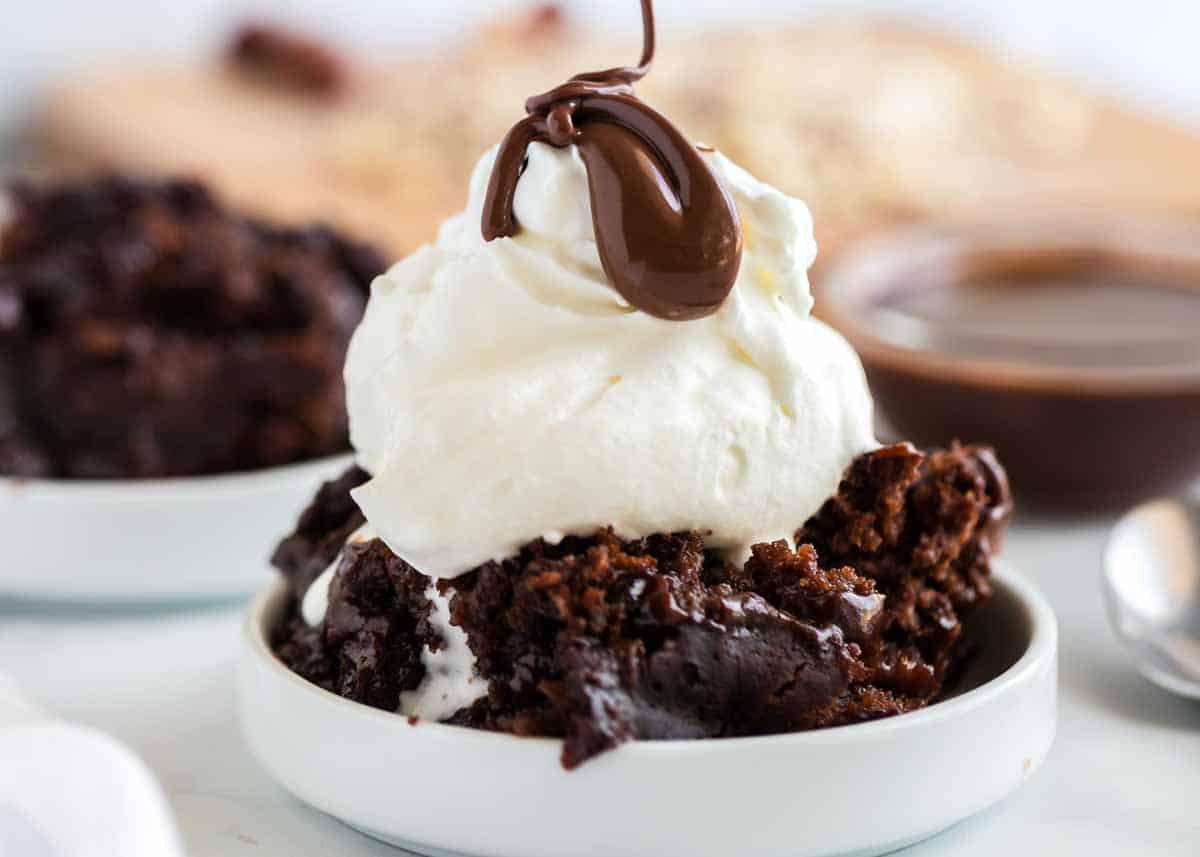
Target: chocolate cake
603	641
148	331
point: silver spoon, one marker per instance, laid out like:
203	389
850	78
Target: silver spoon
1152	588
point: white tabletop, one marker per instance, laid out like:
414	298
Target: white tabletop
1123	776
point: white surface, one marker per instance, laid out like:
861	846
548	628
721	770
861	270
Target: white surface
149	541
422	783
517	367
71	791
1121	779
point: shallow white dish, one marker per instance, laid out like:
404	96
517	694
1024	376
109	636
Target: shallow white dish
154	540
854	790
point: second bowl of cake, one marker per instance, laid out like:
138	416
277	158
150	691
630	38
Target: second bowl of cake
170	390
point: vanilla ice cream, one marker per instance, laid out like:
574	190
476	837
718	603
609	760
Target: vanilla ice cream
501	391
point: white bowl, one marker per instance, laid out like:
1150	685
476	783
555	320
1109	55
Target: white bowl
154	540
863	789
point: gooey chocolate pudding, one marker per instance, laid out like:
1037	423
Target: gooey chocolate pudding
614	481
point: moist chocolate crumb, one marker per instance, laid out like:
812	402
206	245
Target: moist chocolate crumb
377	624
602	641
147	331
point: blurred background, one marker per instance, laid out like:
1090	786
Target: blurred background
1042	154
882	115
1143	51
913	103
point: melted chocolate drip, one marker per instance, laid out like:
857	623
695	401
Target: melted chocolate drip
668	233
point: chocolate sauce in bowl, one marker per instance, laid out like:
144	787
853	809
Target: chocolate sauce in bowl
1099	320
668	234
1072	345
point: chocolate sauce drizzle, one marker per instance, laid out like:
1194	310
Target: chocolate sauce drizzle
668	233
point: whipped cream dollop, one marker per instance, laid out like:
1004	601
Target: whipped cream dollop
501	391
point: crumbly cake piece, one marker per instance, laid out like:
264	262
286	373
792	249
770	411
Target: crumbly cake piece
324	526
602	641
148	331
924	530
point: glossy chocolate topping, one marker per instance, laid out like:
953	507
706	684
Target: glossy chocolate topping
668	233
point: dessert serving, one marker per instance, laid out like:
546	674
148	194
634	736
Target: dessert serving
614	482
147	331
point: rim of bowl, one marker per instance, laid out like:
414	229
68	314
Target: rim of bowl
235	481
1173	245
1043	643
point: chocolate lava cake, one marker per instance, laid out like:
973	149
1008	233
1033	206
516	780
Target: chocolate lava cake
147	331
602	641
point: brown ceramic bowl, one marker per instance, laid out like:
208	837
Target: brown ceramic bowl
1073	348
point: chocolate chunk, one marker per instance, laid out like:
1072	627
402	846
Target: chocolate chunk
924	530
376	625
